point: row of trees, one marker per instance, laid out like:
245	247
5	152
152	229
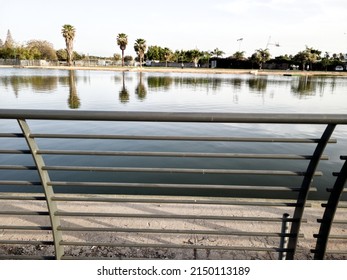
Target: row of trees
306	58
38	49
33	49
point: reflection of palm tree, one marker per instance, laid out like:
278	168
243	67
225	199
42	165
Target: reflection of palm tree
123	93
140	90
74	100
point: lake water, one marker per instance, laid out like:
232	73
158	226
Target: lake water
131	91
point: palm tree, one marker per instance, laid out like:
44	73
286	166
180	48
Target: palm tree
68	33
261	56
195	55
140	49
167	55
122	42
217	52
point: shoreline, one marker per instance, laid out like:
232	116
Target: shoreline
189	70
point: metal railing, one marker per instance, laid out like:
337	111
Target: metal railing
112	202
329	223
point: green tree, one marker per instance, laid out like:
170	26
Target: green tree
122	42
260	57
45	49
194	56
61	54
128	59
117	57
68	33
140	49
217	53
154	53
180	56
302	57
307	57
326	61
205	58
313	55
167	55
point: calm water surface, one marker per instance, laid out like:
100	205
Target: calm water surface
129	91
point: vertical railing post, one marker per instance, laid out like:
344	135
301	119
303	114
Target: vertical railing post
304	190
329	214
48	190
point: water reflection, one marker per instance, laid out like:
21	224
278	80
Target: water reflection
258	84
236	83
141	91
124	96
44	84
134	87
303	86
74	100
159	82
207	82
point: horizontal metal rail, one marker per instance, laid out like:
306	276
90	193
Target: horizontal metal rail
192	201
168	216
168	138
176	154
160	170
172	231
173	117
168	186
179	138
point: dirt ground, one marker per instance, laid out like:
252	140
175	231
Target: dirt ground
96	247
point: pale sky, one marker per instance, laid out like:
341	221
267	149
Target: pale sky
181	24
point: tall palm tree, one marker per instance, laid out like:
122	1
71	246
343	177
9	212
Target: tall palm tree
140	49
261	56
68	33
167	55
122	42
217	52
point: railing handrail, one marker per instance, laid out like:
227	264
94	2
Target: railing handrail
217	117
